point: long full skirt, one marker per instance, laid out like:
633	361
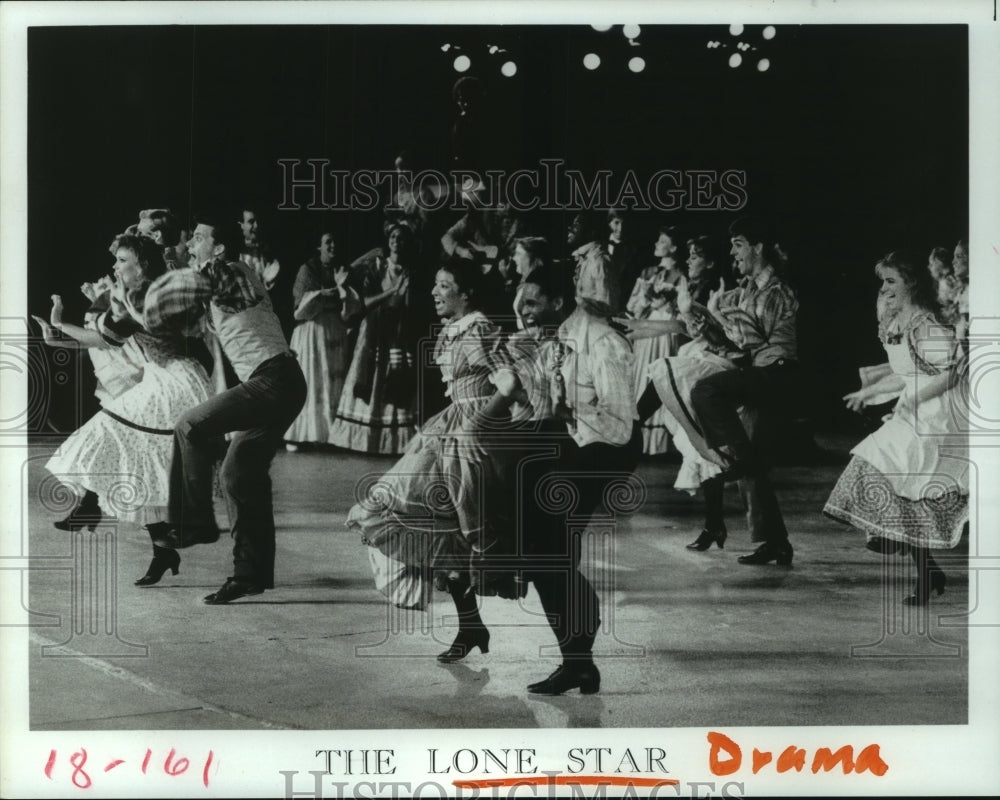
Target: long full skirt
321	347
376	409
123	452
421	519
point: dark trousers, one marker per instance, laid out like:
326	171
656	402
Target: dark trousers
259	411
559	495
768	391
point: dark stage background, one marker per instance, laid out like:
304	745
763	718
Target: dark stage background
855	142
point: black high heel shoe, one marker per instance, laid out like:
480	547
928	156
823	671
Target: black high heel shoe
583	676
87	514
931	580
163	559
465	640
706	538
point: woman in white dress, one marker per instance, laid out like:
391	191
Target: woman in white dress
907	485
320	340
654	297
122	454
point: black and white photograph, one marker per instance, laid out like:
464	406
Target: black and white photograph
527	399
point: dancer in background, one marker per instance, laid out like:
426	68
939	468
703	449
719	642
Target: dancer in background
907	484
654	297
376	413
320	340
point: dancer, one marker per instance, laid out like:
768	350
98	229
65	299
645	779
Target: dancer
256	412
448	474
581	397
320	340
376	410
760	318
654	297
131	436
907	483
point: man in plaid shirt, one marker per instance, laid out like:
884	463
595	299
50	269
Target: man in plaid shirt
257	411
759	318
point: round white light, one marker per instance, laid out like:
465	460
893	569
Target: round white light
763	65
736	30
769	32
735	60
509	69
637	64
591	61
445	48
631	31
601	28
462	63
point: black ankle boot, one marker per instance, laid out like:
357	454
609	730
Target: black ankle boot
707	538
465	641
87	514
163	559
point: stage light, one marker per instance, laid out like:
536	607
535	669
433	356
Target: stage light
637	64
462	63
736	30
601	28
769	32
763	65
509	69
735	60
493	49
591	61
445	48
631	31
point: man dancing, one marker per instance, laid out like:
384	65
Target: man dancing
257	411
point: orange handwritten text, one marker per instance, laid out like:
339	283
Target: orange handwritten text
726	757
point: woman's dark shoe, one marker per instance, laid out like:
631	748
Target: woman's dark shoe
932	580
466	639
707	538
780	553
163	559
570	675
87	514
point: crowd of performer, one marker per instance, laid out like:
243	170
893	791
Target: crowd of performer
499	366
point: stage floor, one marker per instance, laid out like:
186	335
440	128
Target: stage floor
688	639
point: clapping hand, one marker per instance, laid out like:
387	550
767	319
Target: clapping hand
683	298
715	297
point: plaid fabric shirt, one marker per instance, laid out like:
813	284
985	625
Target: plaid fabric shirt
759	319
178	299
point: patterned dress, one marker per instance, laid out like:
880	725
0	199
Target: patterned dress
376	409
909	481
424	515
123	452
